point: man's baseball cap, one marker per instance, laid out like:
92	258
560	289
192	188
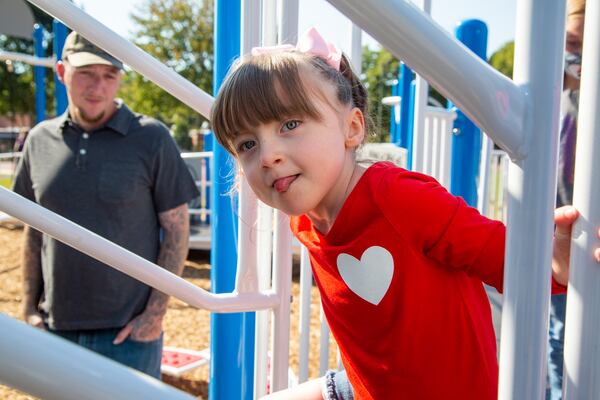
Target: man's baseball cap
80	52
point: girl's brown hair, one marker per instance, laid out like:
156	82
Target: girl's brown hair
268	87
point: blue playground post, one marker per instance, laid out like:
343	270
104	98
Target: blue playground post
229	365
38	74
60	93
466	142
410	123
406	109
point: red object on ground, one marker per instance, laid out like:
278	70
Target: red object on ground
178	359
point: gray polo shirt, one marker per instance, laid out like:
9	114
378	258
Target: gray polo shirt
113	181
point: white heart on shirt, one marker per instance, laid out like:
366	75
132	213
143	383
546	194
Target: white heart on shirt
371	276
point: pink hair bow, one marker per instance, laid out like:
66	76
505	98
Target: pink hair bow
311	42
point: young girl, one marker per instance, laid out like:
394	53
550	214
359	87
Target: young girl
399	261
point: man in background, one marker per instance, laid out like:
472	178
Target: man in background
120	175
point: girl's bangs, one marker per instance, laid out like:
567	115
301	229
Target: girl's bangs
265	89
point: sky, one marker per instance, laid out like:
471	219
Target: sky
499	15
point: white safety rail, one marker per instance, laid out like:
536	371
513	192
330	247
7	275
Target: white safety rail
436	151
26	58
50	367
420	105
198	163
482	185
495	187
8	163
304	326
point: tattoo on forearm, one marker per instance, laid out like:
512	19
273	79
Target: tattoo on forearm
31	263
172	254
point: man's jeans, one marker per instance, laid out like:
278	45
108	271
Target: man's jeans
556	339
143	356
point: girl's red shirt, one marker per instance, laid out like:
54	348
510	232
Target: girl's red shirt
400	275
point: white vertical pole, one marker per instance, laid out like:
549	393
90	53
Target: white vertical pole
247	276
246	279
323	344
304	324
248	233
421	96
582	349
282	247
265	265
483	189
288	21
282	279
265	232
356	48
503	191
532	189
269	25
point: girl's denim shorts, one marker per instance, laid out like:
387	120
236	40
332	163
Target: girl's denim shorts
337	386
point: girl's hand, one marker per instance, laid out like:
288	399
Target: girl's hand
564	217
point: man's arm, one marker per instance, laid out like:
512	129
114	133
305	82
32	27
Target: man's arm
33	285
173	251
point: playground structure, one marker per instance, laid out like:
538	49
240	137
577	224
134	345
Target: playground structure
519	115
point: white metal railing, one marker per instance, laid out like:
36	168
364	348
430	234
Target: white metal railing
125	261
484	177
10	156
497	186
28	59
31	356
436	152
433	154
199	162
8	163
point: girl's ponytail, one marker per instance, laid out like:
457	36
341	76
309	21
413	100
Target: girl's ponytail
360	96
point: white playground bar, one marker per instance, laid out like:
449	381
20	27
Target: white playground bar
44	62
522	116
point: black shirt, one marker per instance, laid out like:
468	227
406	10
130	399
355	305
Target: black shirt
113	181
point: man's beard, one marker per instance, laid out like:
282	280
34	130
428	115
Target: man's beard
89	119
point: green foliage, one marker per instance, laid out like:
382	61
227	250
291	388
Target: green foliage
502	59
178	33
16	87
380	69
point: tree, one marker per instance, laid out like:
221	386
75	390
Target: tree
180	34
380	69
502	59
